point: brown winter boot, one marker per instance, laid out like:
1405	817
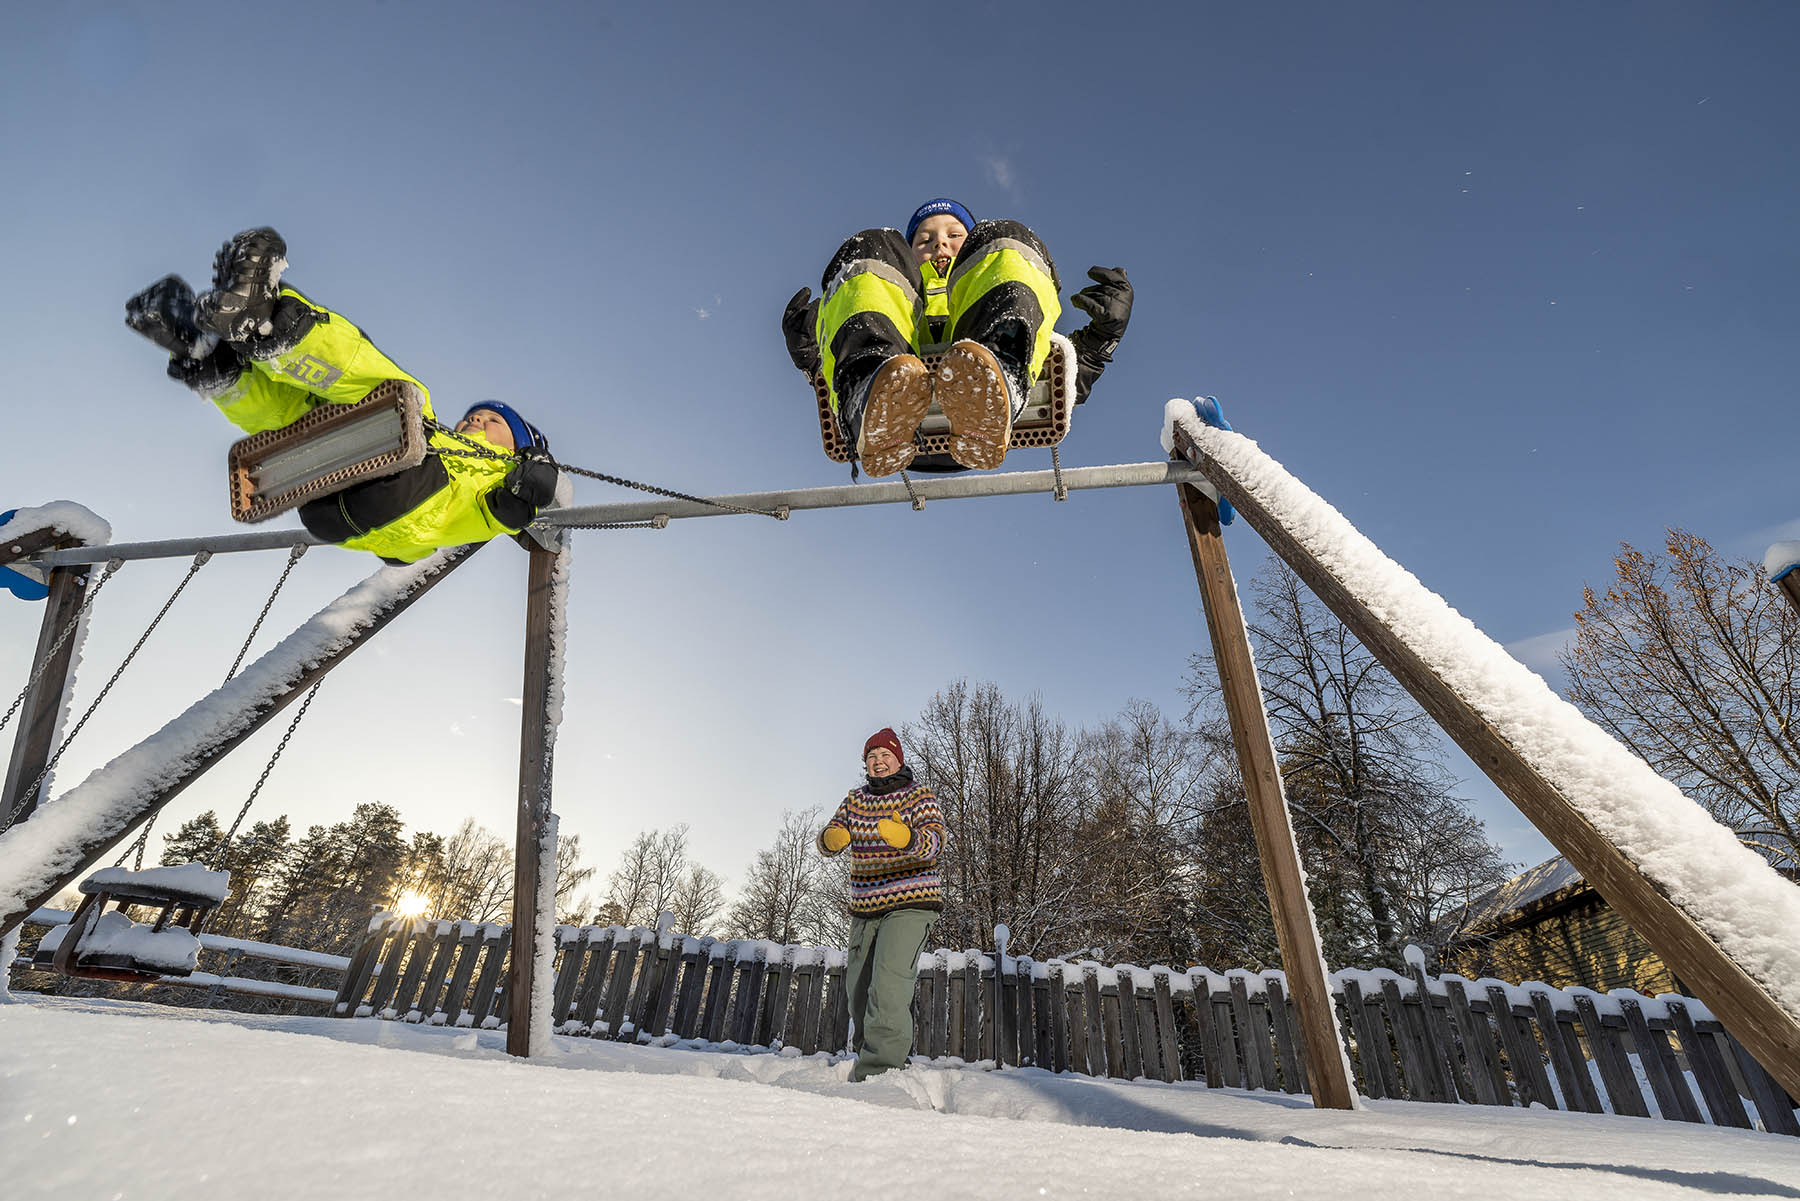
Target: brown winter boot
899	397
976	395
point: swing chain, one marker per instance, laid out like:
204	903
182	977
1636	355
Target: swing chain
1061	491
138	846
293	558
143	837
200	560
112	565
225	842
476	451
917	504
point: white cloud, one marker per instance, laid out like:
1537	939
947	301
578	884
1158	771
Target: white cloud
1000	170
1539	652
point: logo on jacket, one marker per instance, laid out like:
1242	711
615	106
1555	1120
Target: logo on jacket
314	373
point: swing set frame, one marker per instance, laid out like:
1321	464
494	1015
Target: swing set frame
1761	1022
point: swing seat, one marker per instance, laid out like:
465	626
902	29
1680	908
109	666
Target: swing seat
106	944
1044	421
327	450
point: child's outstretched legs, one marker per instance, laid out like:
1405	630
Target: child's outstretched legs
1003	306
867	319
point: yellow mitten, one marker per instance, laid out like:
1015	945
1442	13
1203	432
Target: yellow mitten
835	838
896	834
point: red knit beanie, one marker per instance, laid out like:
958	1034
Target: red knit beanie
885	737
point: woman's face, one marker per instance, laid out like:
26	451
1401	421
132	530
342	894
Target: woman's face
939	237
881	763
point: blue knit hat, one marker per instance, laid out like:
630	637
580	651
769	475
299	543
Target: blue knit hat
524	433
931	208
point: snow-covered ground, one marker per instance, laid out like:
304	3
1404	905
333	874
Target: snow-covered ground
126	1100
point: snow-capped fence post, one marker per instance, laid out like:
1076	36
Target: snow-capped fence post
533	937
1712	910
1296	933
51	667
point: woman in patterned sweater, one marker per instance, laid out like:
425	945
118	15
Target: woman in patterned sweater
894	832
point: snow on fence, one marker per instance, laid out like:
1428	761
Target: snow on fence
1413	1037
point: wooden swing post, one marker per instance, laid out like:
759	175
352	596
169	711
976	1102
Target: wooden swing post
1302	957
50	664
536	742
1744	1004
1790	588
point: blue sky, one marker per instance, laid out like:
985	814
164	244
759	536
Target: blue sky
1506	284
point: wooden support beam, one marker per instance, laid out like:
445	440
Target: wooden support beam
65	859
1767	1028
1790	588
30	544
537	739
36	733
1301	955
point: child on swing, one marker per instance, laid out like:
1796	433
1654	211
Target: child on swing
265	355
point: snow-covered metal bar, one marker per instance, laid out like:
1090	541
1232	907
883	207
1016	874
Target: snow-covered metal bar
1715	911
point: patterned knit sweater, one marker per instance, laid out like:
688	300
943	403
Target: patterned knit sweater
883	879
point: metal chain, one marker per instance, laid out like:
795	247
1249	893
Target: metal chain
142	839
200	561
476	451
1061	491
917	504
293	558
112	565
225	842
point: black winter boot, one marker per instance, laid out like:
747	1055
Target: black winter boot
164	313
246	280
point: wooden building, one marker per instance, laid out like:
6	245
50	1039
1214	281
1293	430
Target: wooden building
1548	924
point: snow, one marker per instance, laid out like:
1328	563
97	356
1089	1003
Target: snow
1748	909
185	878
64	516
1782	558
35	855
1551	876
172	949
543	976
106	1099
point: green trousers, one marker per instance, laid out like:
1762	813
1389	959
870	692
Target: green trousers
883	969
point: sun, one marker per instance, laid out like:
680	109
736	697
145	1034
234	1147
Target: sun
411	904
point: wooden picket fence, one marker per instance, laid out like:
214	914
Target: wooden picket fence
1413	1037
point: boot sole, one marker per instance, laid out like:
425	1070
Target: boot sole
971	391
899	398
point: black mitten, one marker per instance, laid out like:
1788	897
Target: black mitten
528	487
797	325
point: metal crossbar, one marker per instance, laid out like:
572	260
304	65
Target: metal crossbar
949	487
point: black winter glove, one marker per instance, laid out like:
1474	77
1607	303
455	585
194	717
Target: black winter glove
528	487
797	325
1107	302
209	376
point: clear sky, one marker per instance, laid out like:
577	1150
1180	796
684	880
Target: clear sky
1506	284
